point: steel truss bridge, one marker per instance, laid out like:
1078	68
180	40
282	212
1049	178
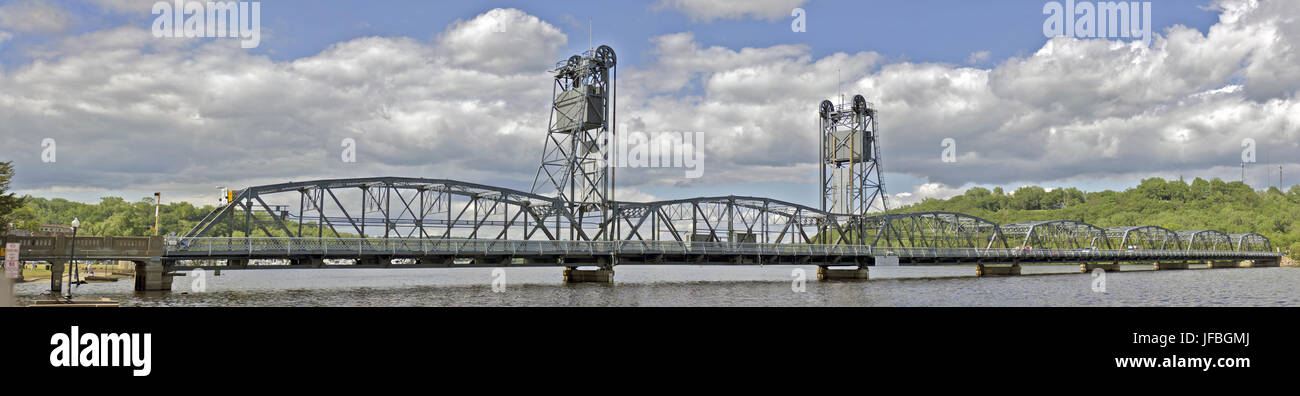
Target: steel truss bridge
418	222
397	222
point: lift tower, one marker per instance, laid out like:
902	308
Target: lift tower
576	162
850	159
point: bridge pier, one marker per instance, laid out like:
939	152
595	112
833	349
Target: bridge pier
575	275
314	262
825	273
152	275
997	270
373	262
1108	267
1225	264
1260	263
1170	265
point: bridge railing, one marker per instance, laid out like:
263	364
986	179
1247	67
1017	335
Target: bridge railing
427	246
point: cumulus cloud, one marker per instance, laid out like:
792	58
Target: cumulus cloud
710	10
1073	109
924	192
502	41
130	110
34	16
126	6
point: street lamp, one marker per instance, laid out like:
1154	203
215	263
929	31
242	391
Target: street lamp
72	257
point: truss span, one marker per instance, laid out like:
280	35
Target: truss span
429	209
388	207
1251	242
729	219
1057	234
1144	238
935	230
1205	240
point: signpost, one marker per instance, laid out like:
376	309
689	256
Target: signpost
13	270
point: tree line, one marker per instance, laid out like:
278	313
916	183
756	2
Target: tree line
1230	207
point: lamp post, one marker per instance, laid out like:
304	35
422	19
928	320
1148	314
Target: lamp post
157	205
72	257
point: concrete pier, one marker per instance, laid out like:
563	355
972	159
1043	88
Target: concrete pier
314	262
574	275
825	273
1108	267
1169	265
152	275
997	270
1259	263
1223	264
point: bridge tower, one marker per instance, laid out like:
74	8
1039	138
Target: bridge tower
576	163
851	181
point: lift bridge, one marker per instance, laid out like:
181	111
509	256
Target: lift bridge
571	220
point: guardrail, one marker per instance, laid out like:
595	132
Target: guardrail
341	247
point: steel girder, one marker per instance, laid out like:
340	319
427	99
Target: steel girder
726	219
388	207
1205	240
395	207
1251	242
1057	234
937	230
1144	237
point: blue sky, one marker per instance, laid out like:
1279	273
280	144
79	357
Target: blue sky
915	30
921	32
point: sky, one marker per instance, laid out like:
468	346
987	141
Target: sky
461	90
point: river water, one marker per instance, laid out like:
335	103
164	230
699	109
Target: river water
710	286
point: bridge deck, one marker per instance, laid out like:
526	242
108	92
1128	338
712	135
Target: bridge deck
435	252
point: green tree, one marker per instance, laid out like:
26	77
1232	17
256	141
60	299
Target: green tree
8	201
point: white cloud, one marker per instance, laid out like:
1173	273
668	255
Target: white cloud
5	36
130	110
1075	108
127	6
978	57
923	192
34	16
710	10
502	41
